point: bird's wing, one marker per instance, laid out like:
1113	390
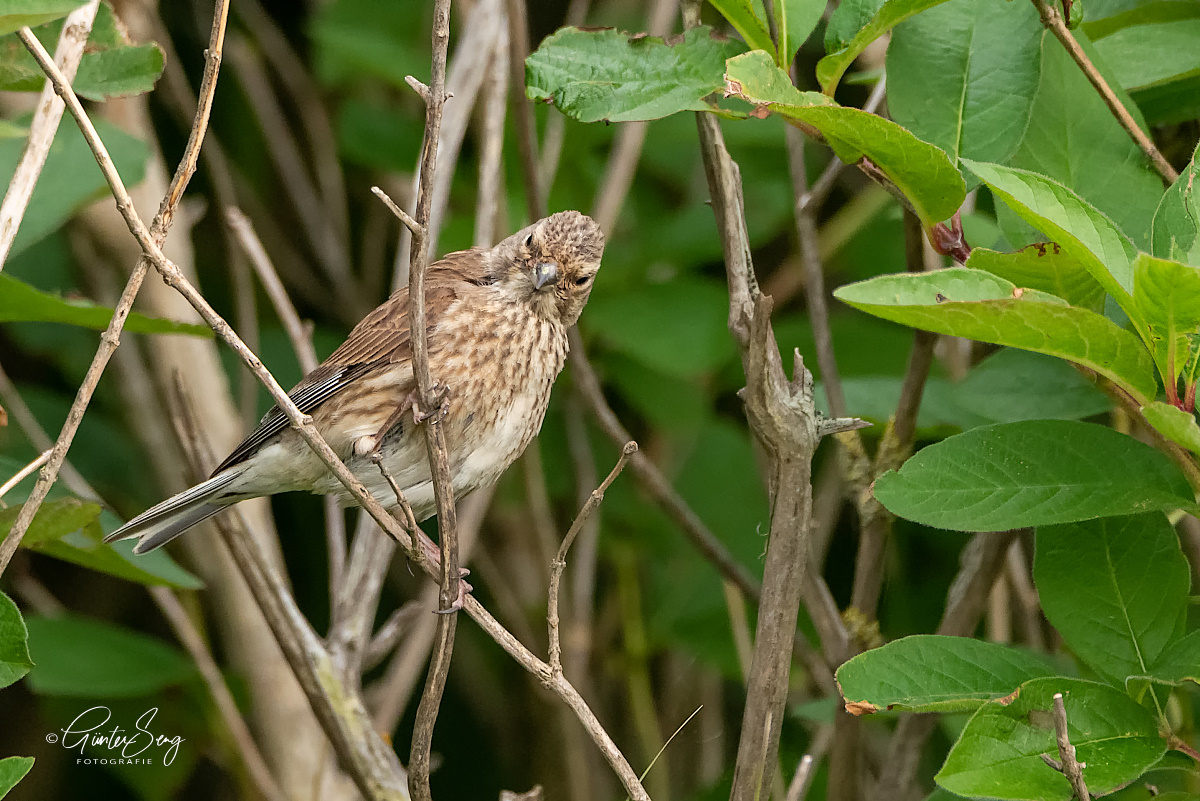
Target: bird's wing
380	339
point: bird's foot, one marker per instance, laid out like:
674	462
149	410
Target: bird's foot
440	394
434	555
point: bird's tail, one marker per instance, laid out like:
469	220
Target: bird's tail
160	524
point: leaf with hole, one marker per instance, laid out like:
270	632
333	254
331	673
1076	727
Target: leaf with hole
1045	267
1116	589
980	306
932	673
919	170
1034	473
1083	232
999	753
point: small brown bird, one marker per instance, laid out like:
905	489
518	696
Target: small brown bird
497	325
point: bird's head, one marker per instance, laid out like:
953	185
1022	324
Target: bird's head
553	263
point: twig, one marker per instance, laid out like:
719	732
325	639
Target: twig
247	749
798	789
818	193
44	125
491	150
149	240
560	560
472	56
394	629
24	472
20	413
1068	765
435	441
1053	20
652	479
301	341
284	151
518	49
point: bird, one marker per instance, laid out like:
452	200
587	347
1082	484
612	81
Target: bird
496	322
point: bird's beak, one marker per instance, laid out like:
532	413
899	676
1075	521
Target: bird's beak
545	274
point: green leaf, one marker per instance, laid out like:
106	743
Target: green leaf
111	66
802	19
21	302
609	75
1044	267
932	673
978	305
921	171
1144	55
1144	12
1072	132
831	68
14	645
1174	423
999	752
1083	232
19	14
81	657
1035	473
963	76
749	25
70	530
12	770
1176	228
122	71
1116	589
1167	297
1180	662
847	19
1014	385
70	178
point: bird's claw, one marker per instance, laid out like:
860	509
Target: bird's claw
440	394
434	555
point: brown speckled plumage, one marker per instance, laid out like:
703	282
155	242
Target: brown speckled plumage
497	324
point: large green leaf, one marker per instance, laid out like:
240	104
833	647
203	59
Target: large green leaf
18	14
1015	385
998	754
1116	589
1045	267
1072	133
70	178
921	171
978	305
747	21
19	302
81	657
12	770
1167	297
612	76
931	673
831	68
14	643
1081	230
111	65
1035	473
963	75
1144	55
1176	228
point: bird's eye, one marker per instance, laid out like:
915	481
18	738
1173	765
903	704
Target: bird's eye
582	280
529	241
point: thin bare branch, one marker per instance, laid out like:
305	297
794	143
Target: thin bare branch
560	560
1069	765
44	125
247	749
24	472
527	148
1053	20
152	238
